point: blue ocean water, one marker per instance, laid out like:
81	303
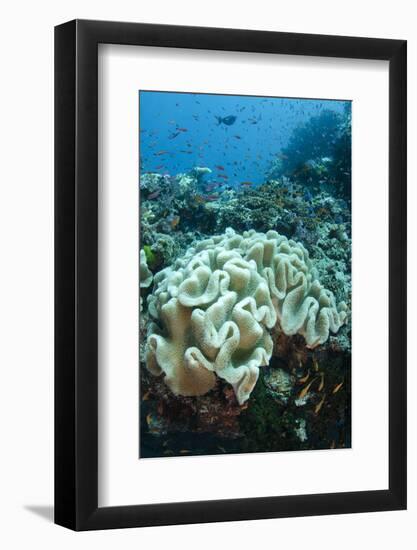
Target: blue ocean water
237	137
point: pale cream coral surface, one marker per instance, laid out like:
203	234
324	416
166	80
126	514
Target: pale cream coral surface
145	275
215	308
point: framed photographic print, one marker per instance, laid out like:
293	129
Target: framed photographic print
230	275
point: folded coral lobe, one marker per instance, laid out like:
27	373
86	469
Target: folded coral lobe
215	309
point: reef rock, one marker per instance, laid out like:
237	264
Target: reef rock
214	310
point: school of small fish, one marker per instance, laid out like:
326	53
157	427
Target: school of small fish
237	136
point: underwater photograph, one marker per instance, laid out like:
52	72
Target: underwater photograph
244	274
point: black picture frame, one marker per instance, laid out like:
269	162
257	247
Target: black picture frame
76	271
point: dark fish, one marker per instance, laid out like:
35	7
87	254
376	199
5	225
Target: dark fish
219	167
237	137
254	120
227	120
174	135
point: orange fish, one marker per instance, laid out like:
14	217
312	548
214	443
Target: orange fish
321	386
319	405
210	198
175	221
199	199
304	391
337	388
304	378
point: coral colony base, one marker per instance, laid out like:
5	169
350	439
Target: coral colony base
244	334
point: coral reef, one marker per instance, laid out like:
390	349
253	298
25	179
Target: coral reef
318	154
302	406
179	215
244	337
215	307
170	209
145	275
301	401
